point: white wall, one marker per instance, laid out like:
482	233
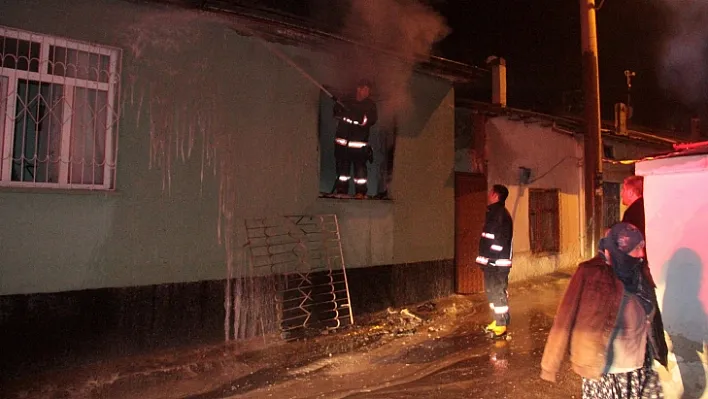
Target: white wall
512	144
676	207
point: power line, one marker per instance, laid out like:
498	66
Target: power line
552	168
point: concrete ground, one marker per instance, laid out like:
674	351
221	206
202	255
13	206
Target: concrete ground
444	354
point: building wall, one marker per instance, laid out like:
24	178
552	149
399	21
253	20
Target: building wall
214	129
553	158
160	224
676	220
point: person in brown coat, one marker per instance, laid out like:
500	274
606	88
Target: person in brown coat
605	320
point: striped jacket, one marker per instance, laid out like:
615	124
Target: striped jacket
495	244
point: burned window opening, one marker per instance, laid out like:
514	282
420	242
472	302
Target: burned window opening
377	151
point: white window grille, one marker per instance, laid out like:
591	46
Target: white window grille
58	112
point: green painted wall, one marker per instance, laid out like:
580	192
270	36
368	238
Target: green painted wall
184	73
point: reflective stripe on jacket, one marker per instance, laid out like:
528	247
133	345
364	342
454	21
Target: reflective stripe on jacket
495	247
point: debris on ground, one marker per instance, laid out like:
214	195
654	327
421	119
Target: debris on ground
402	322
452	310
427	307
410	316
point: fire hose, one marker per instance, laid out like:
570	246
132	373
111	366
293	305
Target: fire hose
292	63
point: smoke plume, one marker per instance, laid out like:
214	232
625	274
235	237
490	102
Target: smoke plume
406	30
685	51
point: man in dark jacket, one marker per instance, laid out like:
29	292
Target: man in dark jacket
633	197
351	144
495	257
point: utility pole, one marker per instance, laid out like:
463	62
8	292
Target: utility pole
593	140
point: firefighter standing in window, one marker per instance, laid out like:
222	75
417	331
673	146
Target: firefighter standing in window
495	258
351	144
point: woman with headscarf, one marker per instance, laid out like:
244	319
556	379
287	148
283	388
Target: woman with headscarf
605	320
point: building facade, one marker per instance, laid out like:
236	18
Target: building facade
539	158
139	139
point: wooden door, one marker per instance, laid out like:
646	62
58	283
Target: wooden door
470	209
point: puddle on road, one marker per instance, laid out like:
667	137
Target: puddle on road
313	359
500	361
531	336
263	378
480	374
435	349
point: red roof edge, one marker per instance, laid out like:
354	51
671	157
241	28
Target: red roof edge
690	146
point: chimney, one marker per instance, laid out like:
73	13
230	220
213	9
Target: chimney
621	118
498	66
695	129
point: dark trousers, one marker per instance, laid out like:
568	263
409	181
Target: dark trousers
496	281
345	157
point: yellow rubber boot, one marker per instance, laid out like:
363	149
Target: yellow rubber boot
499	330
491	326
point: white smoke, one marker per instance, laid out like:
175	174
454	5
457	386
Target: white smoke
407	28
684	54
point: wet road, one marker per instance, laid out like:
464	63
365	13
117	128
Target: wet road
447	357
457	362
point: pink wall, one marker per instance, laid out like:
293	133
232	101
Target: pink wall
676	206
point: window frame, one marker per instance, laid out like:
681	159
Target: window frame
9	88
612	203
536	243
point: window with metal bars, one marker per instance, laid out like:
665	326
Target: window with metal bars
58	111
611	203
544	220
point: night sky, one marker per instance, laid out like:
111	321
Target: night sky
540	40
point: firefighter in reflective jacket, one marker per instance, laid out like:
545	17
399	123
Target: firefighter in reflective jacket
495	257
351	144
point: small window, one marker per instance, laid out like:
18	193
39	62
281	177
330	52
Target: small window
544	225
58	112
608	151
611	203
